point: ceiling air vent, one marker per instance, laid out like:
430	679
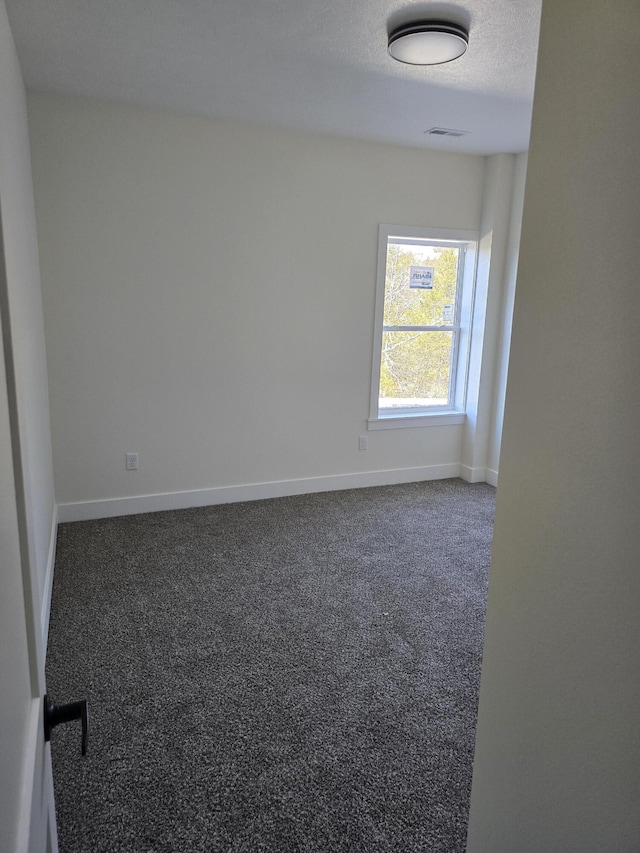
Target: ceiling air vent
445	131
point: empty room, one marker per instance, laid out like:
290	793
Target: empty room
318	426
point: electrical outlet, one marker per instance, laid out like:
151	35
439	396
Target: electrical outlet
363	442
132	461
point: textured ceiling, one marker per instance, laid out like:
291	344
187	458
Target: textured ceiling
318	65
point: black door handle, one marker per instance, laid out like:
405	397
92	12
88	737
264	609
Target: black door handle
56	714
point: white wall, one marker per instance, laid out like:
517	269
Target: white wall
558	749
504	296
209	294
500	223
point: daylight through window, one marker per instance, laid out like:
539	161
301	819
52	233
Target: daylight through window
419	325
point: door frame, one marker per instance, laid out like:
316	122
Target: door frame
35	820
29	512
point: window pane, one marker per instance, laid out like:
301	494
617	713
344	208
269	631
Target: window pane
415	368
420	287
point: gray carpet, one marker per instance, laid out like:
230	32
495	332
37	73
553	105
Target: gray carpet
298	674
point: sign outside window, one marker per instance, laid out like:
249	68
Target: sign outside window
421	278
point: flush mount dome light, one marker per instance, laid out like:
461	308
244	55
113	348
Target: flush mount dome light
428	42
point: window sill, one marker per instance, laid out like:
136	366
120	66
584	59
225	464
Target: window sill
429	419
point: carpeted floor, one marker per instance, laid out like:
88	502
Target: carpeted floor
298	674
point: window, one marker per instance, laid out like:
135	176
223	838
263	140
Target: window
423	309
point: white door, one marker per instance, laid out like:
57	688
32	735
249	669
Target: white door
27	813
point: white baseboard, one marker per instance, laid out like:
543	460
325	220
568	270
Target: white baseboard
479	475
89	510
491	477
48	581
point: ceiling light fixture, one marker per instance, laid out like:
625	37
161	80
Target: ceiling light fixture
428	42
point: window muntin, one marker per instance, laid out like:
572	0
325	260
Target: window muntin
423	278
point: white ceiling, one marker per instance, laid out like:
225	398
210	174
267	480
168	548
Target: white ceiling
318	65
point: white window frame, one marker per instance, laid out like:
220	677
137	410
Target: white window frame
454	413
